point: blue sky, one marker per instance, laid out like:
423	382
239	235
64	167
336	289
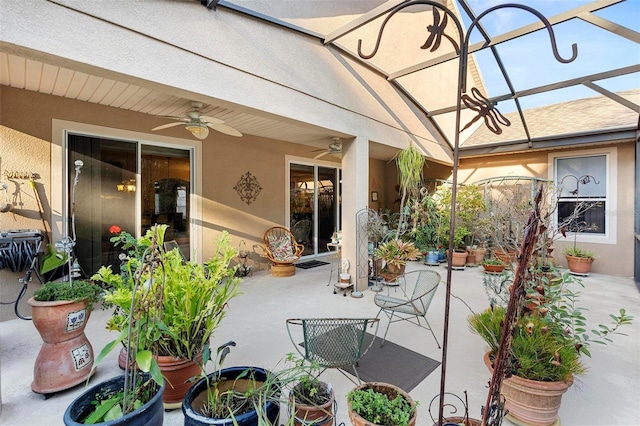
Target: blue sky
529	60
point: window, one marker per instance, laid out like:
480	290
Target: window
586	199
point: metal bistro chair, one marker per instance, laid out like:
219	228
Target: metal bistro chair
411	308
333	342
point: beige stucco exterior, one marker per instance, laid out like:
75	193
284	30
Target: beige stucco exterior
240	63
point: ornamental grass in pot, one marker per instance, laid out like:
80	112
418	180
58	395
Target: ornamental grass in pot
195	299
548	341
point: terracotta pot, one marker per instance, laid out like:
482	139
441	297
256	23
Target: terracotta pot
392	272
471	259
177	372
479	255
459	258
507	257
66	356
466	421
530	401
495	269
320	415
579	265
391	391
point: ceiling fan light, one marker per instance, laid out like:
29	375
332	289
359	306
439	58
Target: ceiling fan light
198	130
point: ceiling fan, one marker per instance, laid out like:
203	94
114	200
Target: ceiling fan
334	148
199	124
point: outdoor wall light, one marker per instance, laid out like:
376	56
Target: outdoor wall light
198	130
127	186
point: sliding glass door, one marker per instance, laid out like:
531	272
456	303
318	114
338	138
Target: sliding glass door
128	186
314	207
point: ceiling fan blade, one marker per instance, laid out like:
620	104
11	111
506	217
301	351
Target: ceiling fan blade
208	119
223	128
321	155
166	126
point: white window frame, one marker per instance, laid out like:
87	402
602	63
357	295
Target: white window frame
611	200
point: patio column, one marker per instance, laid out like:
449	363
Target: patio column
355	196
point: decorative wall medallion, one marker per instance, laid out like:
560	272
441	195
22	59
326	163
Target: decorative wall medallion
81	356
248	188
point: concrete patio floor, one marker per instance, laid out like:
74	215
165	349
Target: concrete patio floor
606	395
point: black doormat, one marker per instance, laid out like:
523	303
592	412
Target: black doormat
311	264
393	364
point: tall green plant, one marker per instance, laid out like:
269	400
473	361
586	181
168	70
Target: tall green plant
410	164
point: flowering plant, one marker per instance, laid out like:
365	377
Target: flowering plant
397	252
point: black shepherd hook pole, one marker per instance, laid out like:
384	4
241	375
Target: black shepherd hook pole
478	103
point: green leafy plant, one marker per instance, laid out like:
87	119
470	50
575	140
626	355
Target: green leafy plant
195	296
492	261
77	290
578	252
142	330
551	334
380	407
397	252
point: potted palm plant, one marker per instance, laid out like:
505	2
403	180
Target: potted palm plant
196	296
134	398
548	341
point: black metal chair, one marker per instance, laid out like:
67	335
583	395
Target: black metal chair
411	308
333	342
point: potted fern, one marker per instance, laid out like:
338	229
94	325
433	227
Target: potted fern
579	261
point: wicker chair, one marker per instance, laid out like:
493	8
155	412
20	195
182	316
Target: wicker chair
332	342
282	250
411	308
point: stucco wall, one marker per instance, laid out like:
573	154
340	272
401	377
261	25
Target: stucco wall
612	259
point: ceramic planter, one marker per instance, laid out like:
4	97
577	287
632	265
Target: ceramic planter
494	269
196	397
66	356
530	401
150	414
458	259
177	372
388	389
579	265
318	415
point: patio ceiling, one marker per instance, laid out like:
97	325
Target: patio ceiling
506	70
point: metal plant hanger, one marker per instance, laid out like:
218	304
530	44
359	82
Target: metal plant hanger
493	119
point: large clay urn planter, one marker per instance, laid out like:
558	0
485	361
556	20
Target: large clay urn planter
579	265
530	401
386	388
177	373
66	356
479	255
150	414
318	415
